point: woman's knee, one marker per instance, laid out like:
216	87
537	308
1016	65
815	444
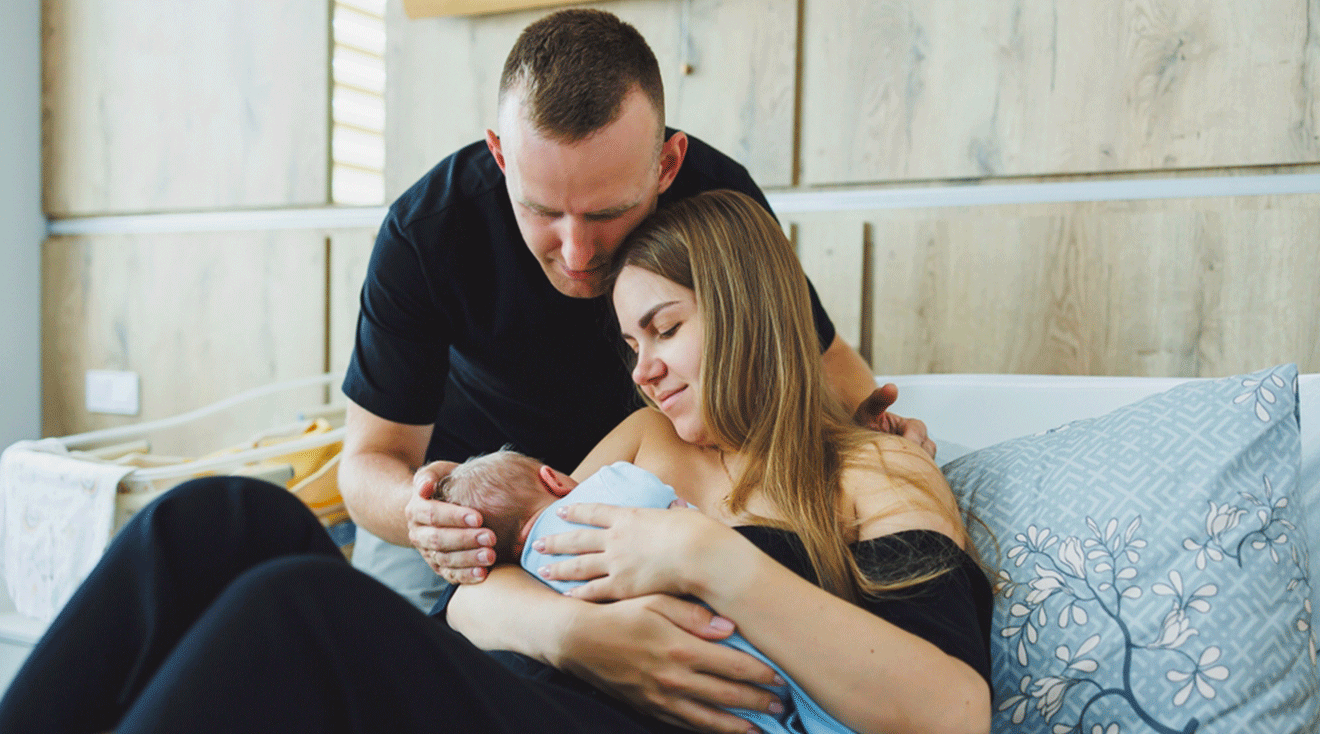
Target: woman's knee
226	498
226	512
296	588
212	494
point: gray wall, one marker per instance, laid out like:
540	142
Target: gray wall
24	225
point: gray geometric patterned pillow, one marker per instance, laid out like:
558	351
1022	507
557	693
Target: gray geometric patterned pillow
1152	573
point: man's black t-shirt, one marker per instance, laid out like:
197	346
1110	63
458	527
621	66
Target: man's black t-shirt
460	327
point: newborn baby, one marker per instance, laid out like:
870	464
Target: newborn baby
514	492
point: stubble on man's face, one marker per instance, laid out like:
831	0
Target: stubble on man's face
576	202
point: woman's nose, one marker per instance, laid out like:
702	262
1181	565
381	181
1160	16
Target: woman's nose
648	368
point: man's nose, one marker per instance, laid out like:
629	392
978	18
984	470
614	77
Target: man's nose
579	246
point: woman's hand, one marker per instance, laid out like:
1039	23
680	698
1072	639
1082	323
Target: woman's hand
632	552
657	653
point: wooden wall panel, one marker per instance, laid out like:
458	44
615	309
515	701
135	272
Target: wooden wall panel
832	250
899	89
1195	287
196	105
350	251
444	79
199	317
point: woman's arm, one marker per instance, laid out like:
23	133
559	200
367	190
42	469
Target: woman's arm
875	676
867	672
656	652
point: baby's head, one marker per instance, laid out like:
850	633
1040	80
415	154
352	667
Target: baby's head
509	489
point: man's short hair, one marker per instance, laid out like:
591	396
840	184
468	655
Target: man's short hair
574	69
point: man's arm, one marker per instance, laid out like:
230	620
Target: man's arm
387	493
850	380
847	374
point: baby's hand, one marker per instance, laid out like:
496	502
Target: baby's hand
682	504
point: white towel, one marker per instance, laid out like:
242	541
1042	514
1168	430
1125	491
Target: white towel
56	513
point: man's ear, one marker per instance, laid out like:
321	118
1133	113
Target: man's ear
493	144
671	158
556	483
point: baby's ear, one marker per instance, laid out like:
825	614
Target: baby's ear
555	482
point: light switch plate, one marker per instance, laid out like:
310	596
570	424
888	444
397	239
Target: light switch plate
111	391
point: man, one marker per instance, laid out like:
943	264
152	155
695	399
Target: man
481	321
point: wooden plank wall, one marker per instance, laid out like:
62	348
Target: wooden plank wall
162	108
152	107
729	70
1186	287
200	317
223	106
899	90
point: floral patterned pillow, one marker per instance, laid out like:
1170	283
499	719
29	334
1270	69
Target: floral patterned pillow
1151	564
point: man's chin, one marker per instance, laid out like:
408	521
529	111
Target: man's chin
578	287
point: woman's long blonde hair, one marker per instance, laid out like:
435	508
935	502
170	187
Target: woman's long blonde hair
763	389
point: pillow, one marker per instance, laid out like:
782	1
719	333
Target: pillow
1152	569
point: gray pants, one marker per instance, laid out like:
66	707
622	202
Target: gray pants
399	568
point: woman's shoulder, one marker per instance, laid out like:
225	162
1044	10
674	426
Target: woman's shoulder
649	418
650	428
652	433
638	434
893	485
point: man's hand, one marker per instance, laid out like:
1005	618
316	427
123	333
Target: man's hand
449	537
654	652
874	414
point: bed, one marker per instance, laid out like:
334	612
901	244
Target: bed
1216	639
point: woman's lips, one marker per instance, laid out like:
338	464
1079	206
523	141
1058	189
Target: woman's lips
666	400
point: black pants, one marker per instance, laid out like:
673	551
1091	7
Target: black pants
224	606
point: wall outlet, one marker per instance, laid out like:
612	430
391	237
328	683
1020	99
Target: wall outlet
110	391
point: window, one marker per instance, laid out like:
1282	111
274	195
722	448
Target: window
357	103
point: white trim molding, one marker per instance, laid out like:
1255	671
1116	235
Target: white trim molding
979	194
783	202
330	217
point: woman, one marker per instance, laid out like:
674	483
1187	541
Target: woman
224	606
780	472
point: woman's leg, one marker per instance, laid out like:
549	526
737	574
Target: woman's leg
308	644
161	572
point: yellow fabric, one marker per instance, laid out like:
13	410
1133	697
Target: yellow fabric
309	461
315	470
320	492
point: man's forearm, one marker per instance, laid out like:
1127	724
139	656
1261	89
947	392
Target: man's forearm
376	488
376	471
848	376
